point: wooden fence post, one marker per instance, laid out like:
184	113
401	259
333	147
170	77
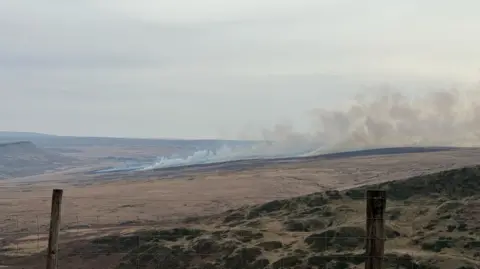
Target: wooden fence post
54	229
376	202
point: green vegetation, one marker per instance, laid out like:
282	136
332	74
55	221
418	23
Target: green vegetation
432	222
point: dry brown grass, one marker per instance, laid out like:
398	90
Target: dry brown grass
91	200
210	192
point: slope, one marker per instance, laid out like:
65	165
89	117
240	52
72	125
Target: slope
432	222
24	158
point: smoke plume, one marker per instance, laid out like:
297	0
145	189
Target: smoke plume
440	118
385	119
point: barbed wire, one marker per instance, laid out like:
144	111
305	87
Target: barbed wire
136	198
14	239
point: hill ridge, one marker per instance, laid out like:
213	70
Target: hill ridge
13	143
24	158
430	224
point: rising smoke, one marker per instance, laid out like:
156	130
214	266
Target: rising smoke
441	118
385	119
389	119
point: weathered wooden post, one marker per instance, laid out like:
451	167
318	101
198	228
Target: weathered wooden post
375	241
54	229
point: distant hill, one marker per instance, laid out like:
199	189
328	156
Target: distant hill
22	134
23	158
57	141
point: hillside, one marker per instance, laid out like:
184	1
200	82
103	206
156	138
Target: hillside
25	135
24	158
432	222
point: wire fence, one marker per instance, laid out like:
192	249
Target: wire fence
298	233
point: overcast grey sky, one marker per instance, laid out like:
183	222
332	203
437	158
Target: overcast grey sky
218	68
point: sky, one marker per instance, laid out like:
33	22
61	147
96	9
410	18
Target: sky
219	68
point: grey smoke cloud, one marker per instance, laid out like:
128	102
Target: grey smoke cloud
390	118
439	118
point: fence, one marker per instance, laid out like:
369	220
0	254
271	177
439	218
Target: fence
365	234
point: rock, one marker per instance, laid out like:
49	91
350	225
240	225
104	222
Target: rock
270	245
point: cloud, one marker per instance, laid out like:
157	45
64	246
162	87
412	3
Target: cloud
342	37
228	63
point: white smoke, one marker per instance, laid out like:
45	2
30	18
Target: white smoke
257	150
226	153
388	119
441	118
